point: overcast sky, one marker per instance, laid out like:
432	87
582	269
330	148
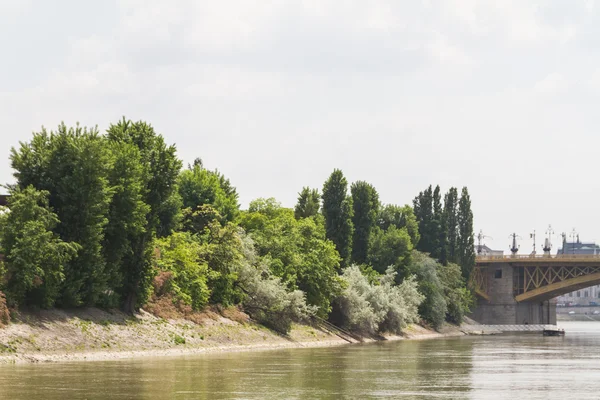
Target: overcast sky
502	96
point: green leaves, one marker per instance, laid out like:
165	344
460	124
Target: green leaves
337	210
35	256
365	203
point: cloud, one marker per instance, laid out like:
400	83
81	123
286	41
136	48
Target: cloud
552	83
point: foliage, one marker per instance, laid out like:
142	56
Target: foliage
267	299
450	225
295	250
72	165
370	308
35	257
309	203
434	307
222	251
392	247
4	312
159	169
337	210
365	203
199	186
400	217
180	255
465	241
459	299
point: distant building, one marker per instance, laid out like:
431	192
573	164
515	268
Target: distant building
587	295
483	250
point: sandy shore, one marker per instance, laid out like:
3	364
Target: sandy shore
96	335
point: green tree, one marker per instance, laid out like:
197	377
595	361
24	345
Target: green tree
365	204
199	186
297	251
159	171
337	210
459	299
434	307
400	217
126	215
180	255
437	236
450	224
423	206
465	240
72	164
390	248
309	203
35	256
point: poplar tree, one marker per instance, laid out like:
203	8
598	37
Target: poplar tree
437	239
337	211
365	205
423	206
466	245
450	224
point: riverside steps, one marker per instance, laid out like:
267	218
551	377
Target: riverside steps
521	290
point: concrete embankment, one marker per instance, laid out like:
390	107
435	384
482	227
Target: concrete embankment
93	334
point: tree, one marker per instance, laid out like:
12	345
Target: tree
423	206
400	217
391	248
180	256
365	204
434	307
465	240
159	171
337	210
437	236
450	223
35	255
72	164
296	251
126	215
199	186
309	203
459	299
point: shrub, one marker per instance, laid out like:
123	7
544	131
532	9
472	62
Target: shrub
381	306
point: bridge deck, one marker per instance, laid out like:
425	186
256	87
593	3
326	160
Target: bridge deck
560	258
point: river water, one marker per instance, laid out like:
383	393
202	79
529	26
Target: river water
525	366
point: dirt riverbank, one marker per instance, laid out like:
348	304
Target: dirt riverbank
93	334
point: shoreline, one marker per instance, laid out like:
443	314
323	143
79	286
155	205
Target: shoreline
89	335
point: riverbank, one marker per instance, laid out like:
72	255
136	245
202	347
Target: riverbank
95	335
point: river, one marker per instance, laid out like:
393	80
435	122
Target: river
526	366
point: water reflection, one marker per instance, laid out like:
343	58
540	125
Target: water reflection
475	367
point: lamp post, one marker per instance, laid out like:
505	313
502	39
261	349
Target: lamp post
573	236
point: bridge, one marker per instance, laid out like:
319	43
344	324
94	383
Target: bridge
519	289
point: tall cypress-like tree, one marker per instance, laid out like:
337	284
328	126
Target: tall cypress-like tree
423	206
337	210
365	205
309	203
466	241
450	224
436	225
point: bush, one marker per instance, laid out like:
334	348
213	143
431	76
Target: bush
434	307
182	272
375	307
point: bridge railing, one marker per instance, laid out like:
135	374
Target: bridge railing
574	257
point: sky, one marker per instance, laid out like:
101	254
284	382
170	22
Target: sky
502	97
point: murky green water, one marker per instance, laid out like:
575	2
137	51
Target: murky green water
498	367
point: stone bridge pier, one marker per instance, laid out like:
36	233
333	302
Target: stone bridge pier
499	307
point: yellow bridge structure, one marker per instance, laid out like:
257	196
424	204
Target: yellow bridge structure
520	288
